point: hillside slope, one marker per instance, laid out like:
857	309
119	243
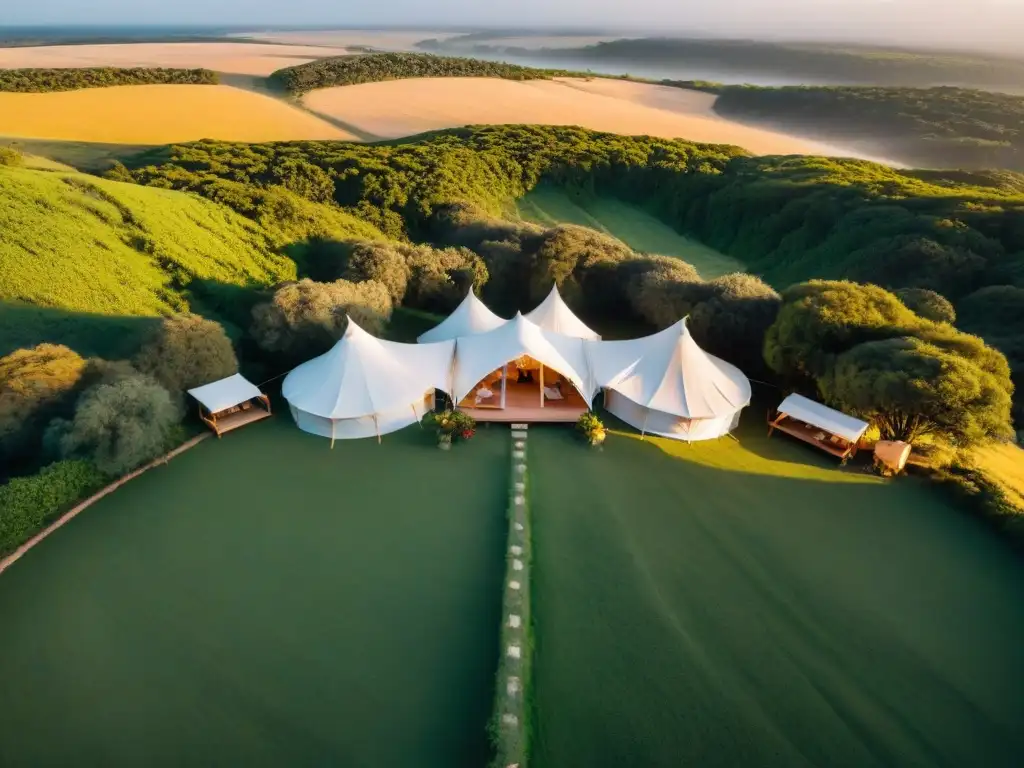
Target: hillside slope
79	243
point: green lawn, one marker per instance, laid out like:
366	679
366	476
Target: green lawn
549	205
749	604
263	600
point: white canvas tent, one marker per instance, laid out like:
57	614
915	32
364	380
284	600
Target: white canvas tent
554	315
477	356
471	317
667	385
365	386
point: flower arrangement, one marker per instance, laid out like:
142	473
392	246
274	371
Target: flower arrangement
592	428
450	426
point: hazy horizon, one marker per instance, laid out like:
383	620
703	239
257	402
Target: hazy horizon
995	25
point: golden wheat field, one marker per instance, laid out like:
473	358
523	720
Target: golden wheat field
232	58
404	107
158	114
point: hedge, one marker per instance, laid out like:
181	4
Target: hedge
28	504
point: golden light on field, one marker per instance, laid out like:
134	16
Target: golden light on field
158	114
233	58
404	107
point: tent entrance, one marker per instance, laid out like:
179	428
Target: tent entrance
524	390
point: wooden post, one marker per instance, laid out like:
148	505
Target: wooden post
504	379
542	385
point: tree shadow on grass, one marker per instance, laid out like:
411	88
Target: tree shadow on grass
113	337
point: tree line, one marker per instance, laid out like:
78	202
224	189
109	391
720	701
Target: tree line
941	127
50	80
377	67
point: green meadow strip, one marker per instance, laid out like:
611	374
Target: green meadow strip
509	721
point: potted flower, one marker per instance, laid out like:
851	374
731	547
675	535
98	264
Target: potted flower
450	426
592	428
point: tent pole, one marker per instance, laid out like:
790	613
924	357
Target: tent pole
416	415
332	434
376	426
542	385
504	380
643	432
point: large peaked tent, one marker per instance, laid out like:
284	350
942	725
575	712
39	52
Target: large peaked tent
665	384
476	356
469	318
365	386
554	315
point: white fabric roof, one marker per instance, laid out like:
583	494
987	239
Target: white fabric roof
226	393
554	315
471	317
823	417
668	372
476	356
362	375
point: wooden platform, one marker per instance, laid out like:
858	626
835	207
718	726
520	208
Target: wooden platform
522	404
842	450
239	419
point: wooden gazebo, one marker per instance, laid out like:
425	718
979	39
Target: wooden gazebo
826	428
230	403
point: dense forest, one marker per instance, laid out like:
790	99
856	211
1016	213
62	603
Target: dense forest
376	67
789	219
848	64
923	127
48	80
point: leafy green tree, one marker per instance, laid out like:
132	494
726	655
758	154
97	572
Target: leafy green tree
186	352
928	304
821	319
383	262
733	322
304	319
122	425
911	389
36	385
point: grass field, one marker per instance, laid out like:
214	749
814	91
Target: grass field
85	244
399	108
158	114
263	600
747	603
1004	464
549	205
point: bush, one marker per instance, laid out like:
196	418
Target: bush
305	319
122	425
733	322
27	504
928	304
36	385
11	157
187	351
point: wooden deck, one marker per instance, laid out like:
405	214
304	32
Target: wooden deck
239	419
522	404
842	449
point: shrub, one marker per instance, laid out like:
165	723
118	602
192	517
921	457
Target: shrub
122	425
11	157
304	319
928	304
733	321
36	385
383	262
663	289
187	351
29	503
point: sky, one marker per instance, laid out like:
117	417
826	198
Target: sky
998	24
